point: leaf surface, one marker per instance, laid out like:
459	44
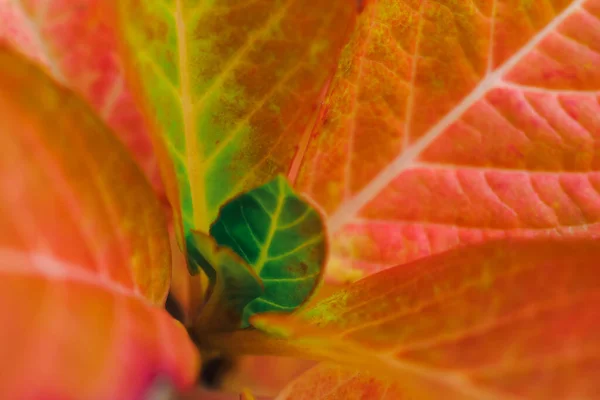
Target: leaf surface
84	254
233	86
333	382
264	375
77	43
452	122
247	395
501	320
282	237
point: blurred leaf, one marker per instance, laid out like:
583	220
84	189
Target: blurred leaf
246	395
511	319
282	237
264	375
84	254
187	290
77	43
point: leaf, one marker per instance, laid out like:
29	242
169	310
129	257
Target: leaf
246	395
204	394
232	86
15	30
76	41
187	291
233	284
331	382
84	254
282	237
264	375
455	122
502	320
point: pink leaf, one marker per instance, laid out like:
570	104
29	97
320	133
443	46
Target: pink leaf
459	122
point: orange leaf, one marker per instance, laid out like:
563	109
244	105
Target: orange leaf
493	321
453	122
264	375
333	382
76	41
246	395
84	254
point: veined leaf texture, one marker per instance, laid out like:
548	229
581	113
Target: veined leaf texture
233	87
454	122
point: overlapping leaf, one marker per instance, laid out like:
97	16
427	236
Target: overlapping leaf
233	86
454	122
188	291
77	43
234	284
281	237
502	320
84	254
266	252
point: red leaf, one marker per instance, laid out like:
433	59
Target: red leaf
84	254
455	122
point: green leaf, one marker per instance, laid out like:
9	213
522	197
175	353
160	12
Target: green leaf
231	87
233	284
281	236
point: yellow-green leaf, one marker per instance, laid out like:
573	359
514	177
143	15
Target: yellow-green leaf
232	86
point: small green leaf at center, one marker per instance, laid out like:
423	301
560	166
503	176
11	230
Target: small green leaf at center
282	237
268	255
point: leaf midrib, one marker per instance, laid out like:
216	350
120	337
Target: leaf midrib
264	251
197	165
349	209
192	144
